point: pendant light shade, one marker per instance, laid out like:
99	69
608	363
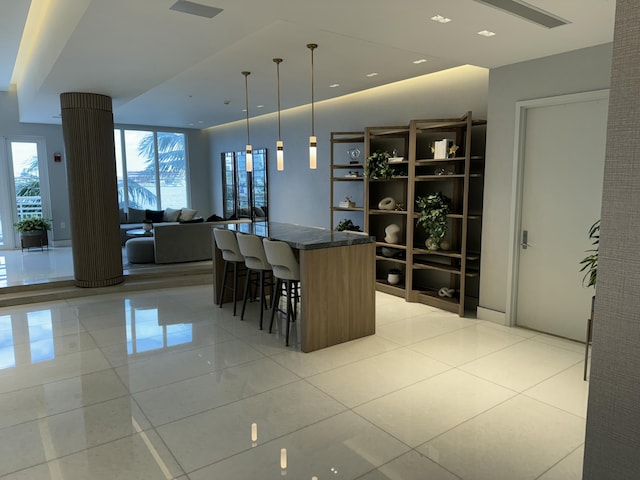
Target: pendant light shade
279	143
248	148
313	147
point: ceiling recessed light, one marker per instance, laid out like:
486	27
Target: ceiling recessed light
440	19
334	85
486	33
372	74
422	60
259	106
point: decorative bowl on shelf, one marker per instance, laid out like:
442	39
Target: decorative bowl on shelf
387	252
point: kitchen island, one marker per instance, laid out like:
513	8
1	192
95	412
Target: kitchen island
337	281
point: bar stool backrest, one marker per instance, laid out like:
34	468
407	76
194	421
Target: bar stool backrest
252	249
227	243
281	257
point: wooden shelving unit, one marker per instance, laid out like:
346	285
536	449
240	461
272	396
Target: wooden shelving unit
342	183
459	177
389	139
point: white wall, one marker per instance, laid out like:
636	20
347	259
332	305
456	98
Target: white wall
579	71
300	195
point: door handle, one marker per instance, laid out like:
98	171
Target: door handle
525	237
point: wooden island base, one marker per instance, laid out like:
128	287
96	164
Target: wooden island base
337	281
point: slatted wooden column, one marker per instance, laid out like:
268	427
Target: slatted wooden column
87	124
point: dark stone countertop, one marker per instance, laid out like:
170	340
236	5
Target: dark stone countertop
300	237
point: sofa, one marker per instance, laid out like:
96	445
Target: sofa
185	242
172	242
134	218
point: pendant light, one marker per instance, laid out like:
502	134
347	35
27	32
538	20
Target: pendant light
313	147
279	143
248	150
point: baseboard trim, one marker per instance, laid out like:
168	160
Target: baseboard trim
60	243
493	316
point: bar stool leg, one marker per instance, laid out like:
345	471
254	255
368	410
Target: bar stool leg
246	293
235	285
224	281
289	310
276	299
261	297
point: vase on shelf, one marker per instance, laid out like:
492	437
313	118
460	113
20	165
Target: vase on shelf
394	276
432	244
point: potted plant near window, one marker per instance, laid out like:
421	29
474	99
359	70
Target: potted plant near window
33	231
434	209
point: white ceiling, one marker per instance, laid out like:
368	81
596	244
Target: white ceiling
167	68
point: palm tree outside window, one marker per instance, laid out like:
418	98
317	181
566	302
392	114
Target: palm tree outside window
151	169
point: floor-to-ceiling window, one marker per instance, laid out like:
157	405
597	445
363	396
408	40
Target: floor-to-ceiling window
245	193
151	169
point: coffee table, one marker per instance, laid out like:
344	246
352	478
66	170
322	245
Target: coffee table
139	232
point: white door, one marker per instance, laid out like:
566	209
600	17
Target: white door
24	185
563	161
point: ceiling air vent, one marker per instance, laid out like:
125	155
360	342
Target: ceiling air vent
526	11
193	8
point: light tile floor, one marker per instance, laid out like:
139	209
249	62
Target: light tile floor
35	266
165	385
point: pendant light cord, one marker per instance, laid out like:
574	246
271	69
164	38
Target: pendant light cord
246	101
278	61
312	47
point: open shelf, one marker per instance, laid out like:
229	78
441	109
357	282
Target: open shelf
459	177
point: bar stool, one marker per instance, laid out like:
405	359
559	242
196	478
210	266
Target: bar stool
286	269
256	262
227	243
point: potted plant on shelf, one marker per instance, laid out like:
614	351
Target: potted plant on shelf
377	166
33	231
348	225
434	209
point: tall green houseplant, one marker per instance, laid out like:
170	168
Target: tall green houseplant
590	262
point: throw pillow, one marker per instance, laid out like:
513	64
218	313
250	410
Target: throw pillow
135	215
187	214
155	216
215	218
194	220
171	214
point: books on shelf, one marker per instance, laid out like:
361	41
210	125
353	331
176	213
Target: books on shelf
441	148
